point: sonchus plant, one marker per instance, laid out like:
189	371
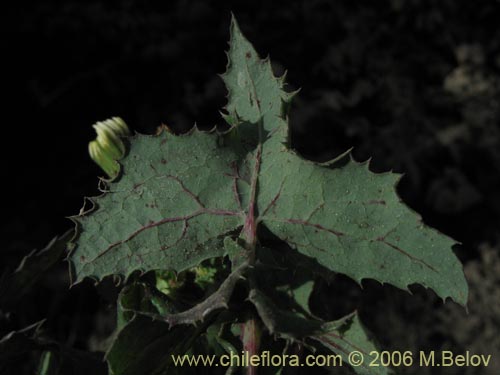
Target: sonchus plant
261	221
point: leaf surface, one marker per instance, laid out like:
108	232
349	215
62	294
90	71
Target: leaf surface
179	197
170	209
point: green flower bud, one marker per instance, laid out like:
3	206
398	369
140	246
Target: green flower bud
117	125
108	147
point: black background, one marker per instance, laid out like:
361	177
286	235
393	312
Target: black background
372	75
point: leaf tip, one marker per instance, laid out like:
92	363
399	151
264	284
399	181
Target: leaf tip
234	23
234	30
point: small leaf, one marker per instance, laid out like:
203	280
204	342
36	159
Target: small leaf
19	348
15	348
341	336
150	331
31	269
141	343
302	293
136	298
347	335
199	313
144	346
287	278
284	323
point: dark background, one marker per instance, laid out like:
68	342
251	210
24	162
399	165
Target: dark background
414	84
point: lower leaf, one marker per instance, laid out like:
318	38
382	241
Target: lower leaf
347	338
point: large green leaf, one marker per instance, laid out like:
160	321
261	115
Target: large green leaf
352	222
170	208
179	196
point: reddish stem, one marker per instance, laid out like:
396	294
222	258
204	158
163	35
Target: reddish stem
250	337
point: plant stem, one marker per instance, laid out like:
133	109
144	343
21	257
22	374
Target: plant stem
251	331
250	338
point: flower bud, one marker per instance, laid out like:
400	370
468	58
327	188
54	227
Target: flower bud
108	147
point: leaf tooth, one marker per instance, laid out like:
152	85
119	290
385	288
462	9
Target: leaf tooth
358	280
103	183
408	290
117	280
163	128
336	159
85	211
231	116
282	79
195	128
289	96
267	62
367	163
